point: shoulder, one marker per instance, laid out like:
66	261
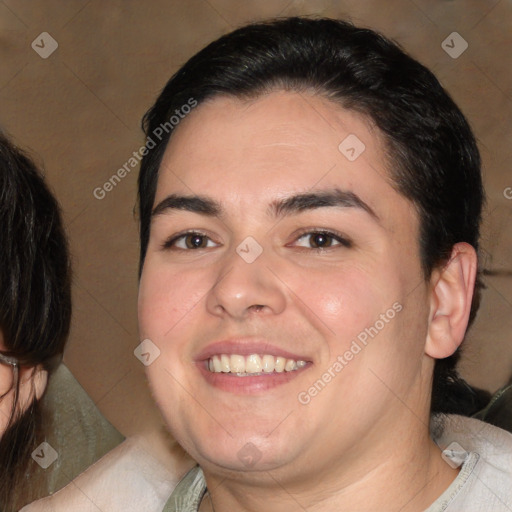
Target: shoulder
128	478
189	492
490	442
485	479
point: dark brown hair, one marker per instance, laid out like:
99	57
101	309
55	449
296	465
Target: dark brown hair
35	303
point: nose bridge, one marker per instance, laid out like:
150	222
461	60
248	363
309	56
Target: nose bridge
245	282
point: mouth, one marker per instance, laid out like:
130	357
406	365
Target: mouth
249	366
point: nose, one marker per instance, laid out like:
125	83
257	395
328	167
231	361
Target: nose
243	288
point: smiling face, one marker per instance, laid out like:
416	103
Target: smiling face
243	280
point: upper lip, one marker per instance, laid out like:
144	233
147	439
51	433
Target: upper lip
246	347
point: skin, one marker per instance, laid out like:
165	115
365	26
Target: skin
33	382
362	443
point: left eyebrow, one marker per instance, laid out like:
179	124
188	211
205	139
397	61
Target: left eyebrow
287	206
324	198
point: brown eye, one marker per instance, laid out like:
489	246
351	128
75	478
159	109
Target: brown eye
321	240
195	241
324	240
188	241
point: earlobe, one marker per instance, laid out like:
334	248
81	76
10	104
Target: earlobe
450	301
40	382
33	383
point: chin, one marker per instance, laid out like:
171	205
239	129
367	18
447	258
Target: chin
241	452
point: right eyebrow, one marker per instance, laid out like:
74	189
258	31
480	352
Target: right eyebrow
196	204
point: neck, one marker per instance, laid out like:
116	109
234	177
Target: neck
402	475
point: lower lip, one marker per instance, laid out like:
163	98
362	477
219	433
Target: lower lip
248	385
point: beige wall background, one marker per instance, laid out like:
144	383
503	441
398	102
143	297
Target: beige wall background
78	111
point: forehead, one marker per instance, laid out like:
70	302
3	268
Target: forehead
249	152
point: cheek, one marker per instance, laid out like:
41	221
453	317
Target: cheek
5	412
344	299
6	402
165	297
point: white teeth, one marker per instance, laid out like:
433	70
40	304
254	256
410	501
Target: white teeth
253	364
279	364
216	364
290	365
237	363
224	363
268	364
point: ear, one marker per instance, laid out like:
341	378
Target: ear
33	383
40	381
450	301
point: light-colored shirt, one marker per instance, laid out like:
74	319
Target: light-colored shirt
127	479
484	483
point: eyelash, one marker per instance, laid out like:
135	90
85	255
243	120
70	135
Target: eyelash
343	241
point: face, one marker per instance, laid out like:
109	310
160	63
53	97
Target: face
328	285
